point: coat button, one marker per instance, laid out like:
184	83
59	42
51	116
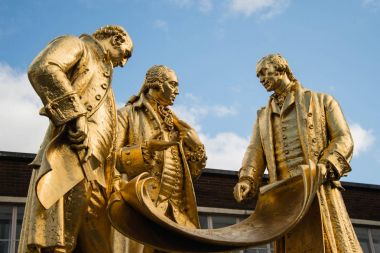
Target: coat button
311	126
314	140
286	152
98	97
104	86
284	137
89	108
283	128
106	73
316	153
309	114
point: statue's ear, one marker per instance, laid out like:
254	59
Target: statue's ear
114	40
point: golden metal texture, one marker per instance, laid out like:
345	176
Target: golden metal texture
299	125
74	169
280	206
299	132
152	139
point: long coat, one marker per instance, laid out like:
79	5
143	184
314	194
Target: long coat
73	78
324	136
138	122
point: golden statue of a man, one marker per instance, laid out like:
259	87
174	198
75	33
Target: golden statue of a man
73	171
154	140
296	126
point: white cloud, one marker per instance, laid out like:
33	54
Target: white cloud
266	8
161	24
363	139
22	128
193	114
224	150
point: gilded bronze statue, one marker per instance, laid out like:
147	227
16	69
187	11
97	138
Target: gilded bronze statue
153	139
303	140
296	126
74	169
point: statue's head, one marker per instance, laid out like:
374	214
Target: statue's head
116	42
273	70
161	83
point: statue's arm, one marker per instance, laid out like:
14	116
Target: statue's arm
339	151
129	155
254	163
196	158
48	74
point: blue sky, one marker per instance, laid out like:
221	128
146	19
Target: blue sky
213	45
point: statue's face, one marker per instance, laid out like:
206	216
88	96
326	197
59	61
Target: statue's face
269	77
169	91
120	53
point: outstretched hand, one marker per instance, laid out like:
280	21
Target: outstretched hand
154	144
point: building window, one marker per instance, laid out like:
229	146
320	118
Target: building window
369	238
10	227
208	220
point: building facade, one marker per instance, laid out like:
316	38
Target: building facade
216	204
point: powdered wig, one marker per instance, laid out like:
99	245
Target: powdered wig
155	78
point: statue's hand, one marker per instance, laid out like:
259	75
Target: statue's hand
154	144
77	134
242	189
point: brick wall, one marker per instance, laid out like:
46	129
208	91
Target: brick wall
213	188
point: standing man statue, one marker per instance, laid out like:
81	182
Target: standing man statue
296	126
73	171
152	139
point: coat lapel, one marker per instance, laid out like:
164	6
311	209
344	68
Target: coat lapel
265	125
303	102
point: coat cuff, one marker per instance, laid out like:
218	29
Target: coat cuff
64	109
131	161
339	163
249	174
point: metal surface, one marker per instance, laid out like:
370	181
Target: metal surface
279	208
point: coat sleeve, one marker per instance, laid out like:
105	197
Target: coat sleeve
340	144
131	157
48	74
196	159
254	163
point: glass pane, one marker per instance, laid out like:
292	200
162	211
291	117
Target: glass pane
376	239
20	215
5	222
362	234
221	221
4	246
203	221
258	249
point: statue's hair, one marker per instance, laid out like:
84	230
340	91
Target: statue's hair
108	31
155	77
280	64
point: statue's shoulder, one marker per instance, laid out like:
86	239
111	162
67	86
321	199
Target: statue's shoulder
66	40
261	110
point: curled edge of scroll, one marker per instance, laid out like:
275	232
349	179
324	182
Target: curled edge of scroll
280	207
